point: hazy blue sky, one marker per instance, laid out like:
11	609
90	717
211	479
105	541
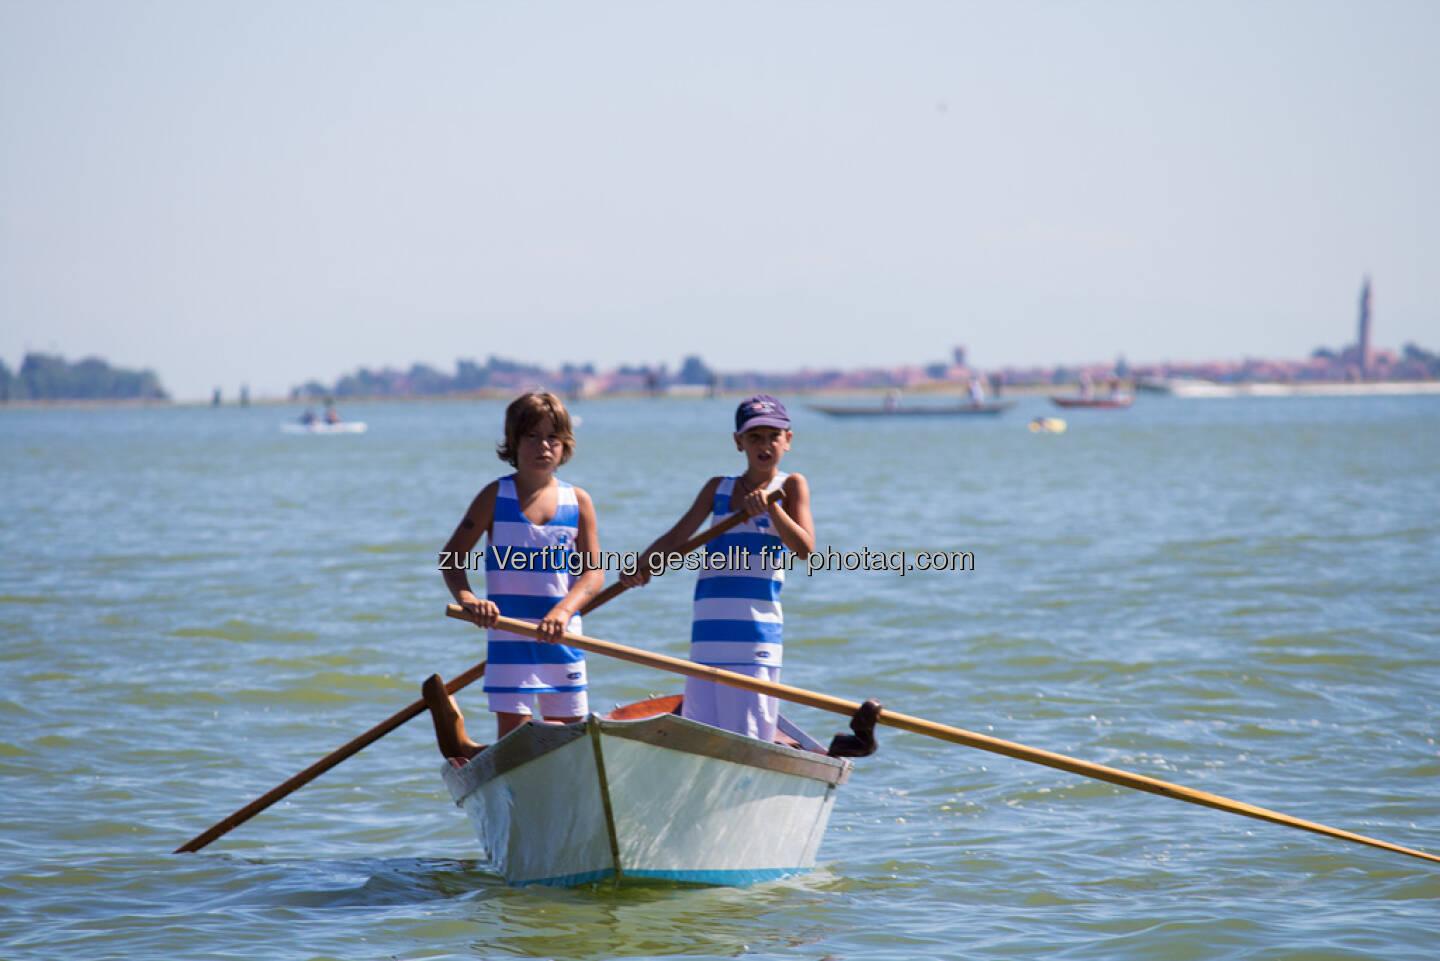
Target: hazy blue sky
256	192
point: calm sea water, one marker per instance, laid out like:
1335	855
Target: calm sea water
1242	596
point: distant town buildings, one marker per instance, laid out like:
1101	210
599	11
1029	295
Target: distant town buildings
1355	362
43	377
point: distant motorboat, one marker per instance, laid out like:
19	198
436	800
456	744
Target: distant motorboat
911	410
320	427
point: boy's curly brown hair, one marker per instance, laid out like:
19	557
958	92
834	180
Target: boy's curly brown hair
524	413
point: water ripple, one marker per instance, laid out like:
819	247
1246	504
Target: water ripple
1241	598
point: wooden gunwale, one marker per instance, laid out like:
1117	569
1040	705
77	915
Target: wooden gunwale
531	741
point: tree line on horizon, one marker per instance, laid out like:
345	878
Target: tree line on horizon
496	373
500	374
51	377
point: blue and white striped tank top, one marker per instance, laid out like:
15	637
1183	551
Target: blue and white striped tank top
526	573
737	619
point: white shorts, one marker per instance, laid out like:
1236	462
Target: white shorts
552	704
744	712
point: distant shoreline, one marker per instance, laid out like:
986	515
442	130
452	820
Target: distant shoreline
1178	388
31	403
1206	390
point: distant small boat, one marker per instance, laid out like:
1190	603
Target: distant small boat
320	427
645	795
1107	401
910	410
1047	425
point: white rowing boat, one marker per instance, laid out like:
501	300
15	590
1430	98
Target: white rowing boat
657	798
320	427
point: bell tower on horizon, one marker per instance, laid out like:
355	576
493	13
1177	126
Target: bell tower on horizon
1362	343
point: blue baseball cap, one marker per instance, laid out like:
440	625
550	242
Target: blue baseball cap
762	410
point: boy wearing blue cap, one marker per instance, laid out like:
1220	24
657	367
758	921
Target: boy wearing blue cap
738	624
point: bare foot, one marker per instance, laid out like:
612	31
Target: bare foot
449	722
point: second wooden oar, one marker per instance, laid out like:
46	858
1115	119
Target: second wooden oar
916	725
355	746
416	708
700	539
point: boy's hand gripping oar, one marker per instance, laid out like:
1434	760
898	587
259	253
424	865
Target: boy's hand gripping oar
417	708
954	734
705	536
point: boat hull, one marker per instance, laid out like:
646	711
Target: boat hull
1104	403
658	799
343	427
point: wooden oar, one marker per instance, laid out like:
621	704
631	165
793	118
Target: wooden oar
704	537
417	708
955	735
324	764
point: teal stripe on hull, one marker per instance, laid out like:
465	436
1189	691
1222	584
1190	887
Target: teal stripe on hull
724	879
728	879
569	880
